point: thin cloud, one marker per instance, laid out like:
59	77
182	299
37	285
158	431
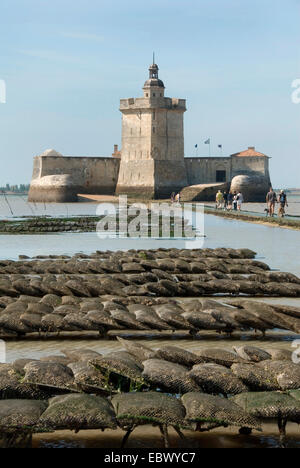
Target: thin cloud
50	55
84	36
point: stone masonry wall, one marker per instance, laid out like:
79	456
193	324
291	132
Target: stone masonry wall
203	170
86	175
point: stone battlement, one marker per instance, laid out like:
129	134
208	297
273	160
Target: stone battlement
153	103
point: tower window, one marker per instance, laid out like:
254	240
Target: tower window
147	94
153	94
154	115
153	129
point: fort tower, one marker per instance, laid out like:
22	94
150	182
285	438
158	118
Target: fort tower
152	163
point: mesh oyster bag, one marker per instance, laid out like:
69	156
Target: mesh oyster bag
138	350
177	355
209	409
287	374
203	321
252	353
168	376
119	365
90	380
219	356
78	412
11	385
51	375
256	378
280	354
151	319
80	354
127	320
213	378
103	319
269	405
20	414
148	408
174	318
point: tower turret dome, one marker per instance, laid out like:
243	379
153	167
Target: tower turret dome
153	80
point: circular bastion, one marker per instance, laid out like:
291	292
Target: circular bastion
253	187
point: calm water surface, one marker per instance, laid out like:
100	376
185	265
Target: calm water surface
279	247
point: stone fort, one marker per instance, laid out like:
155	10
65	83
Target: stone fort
151	163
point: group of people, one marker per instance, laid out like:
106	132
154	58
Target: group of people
234	200
229	200
272	198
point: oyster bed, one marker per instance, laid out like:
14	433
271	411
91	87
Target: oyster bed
142	290
81	389
164	290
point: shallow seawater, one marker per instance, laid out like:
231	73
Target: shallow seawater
38	348
17	206
276	246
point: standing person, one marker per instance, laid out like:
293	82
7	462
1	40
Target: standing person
282	200
219	199
172	197
225	197
235	201
230	201
240	200
177	198
271	199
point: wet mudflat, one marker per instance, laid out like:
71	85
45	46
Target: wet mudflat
148	437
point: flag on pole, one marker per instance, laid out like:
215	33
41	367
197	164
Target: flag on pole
220	146
196	146
207	142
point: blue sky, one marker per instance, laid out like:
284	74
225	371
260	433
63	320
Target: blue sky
66	64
